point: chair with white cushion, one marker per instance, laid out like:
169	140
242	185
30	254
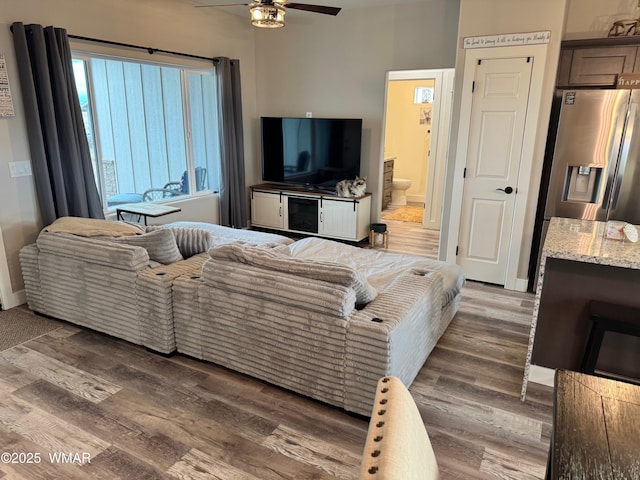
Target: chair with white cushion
397	446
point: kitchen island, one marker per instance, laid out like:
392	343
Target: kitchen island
578	265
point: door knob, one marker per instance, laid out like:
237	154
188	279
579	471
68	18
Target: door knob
506	190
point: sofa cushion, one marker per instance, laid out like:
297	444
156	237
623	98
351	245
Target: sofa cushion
379	267
191	241
161	245
101	251
93	227
273	259
222	235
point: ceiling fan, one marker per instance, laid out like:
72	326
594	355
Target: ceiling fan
270	13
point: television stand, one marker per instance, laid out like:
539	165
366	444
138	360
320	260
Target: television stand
298	188
326	191
311	212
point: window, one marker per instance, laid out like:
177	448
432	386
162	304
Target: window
152	128
423	95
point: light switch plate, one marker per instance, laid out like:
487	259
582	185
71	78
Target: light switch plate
20	169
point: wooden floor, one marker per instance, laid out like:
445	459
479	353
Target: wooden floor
138	415
410	237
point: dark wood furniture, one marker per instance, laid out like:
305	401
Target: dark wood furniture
608	317
145	210
596	429
597	62
387	185
580	265
564	321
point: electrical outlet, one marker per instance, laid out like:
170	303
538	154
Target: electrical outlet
309	114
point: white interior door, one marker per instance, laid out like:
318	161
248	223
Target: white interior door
496	134
438	150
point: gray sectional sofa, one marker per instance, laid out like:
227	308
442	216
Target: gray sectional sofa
313	322
315	316
111	283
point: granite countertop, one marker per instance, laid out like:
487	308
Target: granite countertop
580	241
585	241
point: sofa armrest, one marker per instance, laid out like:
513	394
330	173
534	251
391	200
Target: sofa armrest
91	250
154	301
31	277
393	335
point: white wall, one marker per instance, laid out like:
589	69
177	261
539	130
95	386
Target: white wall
335	66
489	17
405	138
163	24
593	18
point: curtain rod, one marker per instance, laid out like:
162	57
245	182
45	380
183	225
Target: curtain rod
150	50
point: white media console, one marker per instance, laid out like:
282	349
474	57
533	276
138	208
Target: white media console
310	212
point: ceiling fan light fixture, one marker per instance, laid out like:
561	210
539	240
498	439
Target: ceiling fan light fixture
264	16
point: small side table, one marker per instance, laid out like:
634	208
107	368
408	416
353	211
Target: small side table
145	210
378	229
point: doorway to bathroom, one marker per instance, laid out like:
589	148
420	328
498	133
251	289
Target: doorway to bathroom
415	145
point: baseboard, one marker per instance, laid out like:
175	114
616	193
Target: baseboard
415	198
521	285
542	375
517	285
13	299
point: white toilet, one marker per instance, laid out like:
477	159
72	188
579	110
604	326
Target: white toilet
399	191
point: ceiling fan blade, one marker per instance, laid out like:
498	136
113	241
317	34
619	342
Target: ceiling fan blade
225	5
313	8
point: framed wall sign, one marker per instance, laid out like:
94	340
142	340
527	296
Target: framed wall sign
507	39
6	103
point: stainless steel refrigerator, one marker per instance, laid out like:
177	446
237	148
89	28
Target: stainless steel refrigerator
595	168
595	173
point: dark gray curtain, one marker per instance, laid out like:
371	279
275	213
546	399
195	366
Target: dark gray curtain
60	158
233	194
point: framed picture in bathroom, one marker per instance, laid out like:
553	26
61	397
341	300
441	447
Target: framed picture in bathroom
425	115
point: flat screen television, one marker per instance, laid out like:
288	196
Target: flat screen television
311	152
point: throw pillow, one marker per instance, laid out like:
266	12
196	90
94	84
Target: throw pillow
160	244
365	293
93	227
278	260
191	241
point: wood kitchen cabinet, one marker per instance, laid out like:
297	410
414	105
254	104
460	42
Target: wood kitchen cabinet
597	62
387	185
